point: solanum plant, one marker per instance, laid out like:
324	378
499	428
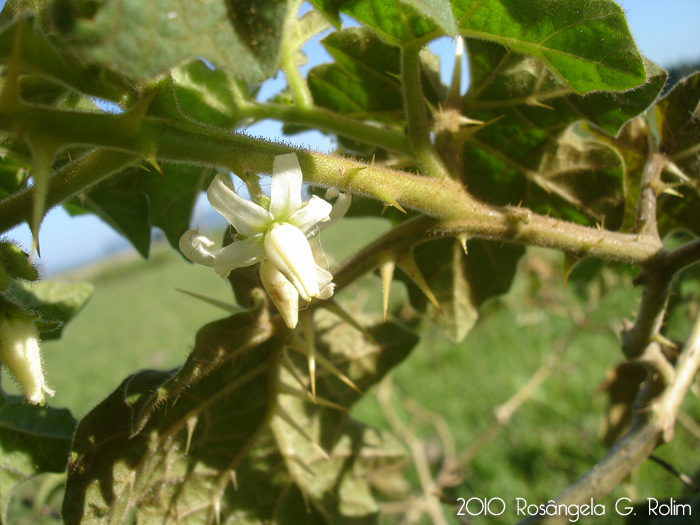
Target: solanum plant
563	140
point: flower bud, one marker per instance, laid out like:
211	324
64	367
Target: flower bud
283	294
289	251
19	350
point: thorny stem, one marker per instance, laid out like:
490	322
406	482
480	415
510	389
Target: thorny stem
653	424
297	83
417	116
504	412
430	489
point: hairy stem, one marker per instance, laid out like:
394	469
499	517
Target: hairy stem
297	83
653	425
416	115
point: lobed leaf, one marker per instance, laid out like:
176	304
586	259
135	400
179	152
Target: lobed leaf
146	39
53	303
33	440
528	149
461	282
587	43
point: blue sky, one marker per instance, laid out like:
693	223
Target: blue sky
666	32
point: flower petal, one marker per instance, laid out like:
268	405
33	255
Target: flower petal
194	247
239	254
285	192
316	210
247	217
287	248
283	294
325	283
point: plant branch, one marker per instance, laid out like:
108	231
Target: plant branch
289	51
331	122
416	115
504	412
653	424
452	209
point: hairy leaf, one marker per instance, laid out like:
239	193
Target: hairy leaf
138	199
395	21
364	80
461	282
145	39
526	148
585	42
195	445
38	55
52	303
33	440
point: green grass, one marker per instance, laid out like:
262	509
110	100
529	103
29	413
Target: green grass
137	320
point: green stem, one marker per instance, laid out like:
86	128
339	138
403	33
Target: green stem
297	83
331	122
77	176
416	115
445	200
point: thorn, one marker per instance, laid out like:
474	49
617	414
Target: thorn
569	263
234	480
532	101
151	159
42	161
288	419
217	510
231	308
308	329
9	97
462	238
191	424
410	268
670	191
289	367
672	168
336	309
386	269
384	195
300	347
305	396
130	119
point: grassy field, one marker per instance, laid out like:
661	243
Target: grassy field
137	319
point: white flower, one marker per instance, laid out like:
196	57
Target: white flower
20	351
276	237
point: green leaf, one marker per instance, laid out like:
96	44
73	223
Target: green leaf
124	208
677	118
206	450
527	149
146	39
40	56
205	95
365	77
136	200
395	21
461	282
585	42
55	303
33	440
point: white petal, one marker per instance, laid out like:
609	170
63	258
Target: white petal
287	248
238	254
282	292
325	283
21	353
316	210
285	192
247	217
194	247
